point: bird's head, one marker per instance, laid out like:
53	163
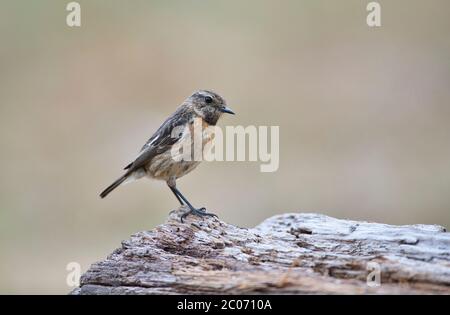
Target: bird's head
208	105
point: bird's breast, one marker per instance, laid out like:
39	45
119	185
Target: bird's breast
199	129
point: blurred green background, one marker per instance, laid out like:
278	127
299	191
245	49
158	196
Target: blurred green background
364	116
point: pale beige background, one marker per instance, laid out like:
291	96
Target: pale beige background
364	117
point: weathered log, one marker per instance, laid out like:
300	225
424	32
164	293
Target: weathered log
296	253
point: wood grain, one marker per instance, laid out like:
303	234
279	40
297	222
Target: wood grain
295	253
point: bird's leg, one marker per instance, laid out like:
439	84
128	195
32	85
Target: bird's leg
171	182
201	212
178	197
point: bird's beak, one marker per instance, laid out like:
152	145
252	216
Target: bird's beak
226	110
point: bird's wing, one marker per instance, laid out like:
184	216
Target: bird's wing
161	141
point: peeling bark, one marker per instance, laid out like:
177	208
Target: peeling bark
297	253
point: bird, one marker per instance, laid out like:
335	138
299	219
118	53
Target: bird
156	159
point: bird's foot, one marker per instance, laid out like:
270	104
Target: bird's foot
200	212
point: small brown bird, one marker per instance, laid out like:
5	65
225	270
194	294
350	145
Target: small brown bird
156	158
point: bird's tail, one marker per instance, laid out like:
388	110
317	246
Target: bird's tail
114	185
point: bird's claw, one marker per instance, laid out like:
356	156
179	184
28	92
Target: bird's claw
201	212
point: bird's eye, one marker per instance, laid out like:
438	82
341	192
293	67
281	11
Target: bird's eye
208	99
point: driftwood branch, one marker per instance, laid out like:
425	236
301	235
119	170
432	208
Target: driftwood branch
286	254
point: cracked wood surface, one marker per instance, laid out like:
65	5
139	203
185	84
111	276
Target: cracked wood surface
296	253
